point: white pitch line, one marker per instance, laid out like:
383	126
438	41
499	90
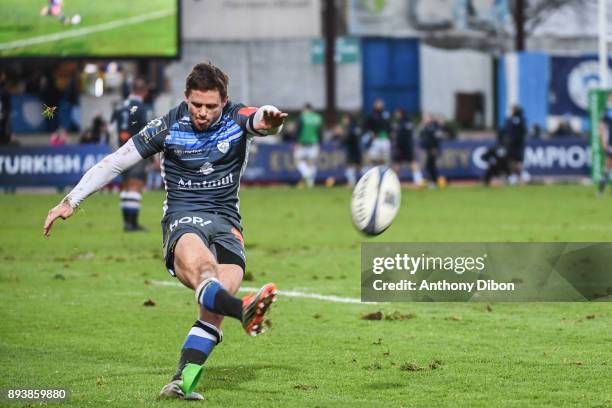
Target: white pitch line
288	293
85	30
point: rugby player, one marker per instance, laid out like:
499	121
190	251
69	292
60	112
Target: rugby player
54	8
307	150
204	142
378	126
515	133
402	131
430	142
130	117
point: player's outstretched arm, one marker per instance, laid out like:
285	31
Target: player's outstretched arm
269	120
95	178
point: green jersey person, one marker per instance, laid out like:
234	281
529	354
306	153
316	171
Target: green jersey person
307	150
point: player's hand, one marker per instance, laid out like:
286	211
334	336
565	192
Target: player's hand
271	119
63	210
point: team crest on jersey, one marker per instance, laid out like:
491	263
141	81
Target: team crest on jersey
223	146
206	168
153	128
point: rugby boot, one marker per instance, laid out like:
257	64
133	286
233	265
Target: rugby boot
254	308
174	390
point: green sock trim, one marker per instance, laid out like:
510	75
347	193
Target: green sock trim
191	374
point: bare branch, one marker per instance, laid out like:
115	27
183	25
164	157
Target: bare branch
537	11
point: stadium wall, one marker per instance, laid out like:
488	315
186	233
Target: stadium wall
550	87
445	73
280	72
523	78
250	19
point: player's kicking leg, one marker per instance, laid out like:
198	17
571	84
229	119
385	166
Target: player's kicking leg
196	267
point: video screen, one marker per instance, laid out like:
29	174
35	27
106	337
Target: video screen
89	29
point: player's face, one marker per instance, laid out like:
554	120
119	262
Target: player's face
205	107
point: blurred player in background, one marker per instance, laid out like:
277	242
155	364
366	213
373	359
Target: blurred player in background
307	149
605	134
130	118
54	8
497	163
402	130
352	142
205	142
378	126
430	142
514	134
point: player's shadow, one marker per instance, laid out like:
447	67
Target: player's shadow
231	377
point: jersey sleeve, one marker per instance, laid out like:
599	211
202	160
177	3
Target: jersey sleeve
150	139
244	117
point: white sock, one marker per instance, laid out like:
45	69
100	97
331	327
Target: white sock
351	176
313	174
302	167
417	177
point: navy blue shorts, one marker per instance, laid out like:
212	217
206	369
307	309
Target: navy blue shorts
219	235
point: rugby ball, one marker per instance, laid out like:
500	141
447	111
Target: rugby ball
376	200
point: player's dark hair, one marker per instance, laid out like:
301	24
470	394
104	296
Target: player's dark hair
206	77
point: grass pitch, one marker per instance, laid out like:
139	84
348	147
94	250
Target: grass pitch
107	28
72	314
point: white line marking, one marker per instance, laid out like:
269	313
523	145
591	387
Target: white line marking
288	293
85	30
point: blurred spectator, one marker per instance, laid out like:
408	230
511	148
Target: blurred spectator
564	128
402	131
99	130
58	138
430	142
351	139
97	133
536	132
307	150
87	137
5	111
378	128
514	135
